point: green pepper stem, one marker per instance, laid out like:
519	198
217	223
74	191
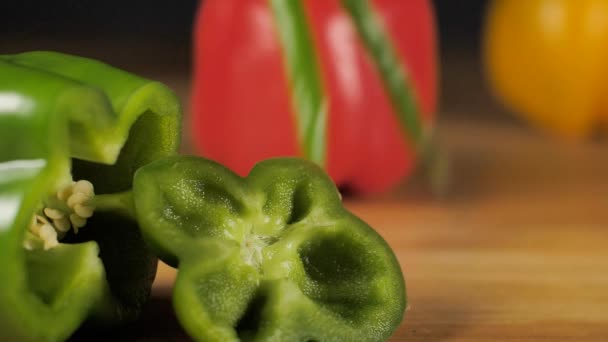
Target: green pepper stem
401	91
121	203
392	71
304	74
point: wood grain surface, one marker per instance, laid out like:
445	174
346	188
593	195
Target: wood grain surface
516	249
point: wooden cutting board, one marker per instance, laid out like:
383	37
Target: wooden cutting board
516	250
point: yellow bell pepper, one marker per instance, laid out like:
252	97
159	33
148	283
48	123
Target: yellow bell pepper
548	60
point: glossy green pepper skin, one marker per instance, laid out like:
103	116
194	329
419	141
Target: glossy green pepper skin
65	117
270	257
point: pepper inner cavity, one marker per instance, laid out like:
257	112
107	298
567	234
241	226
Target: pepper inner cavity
68	209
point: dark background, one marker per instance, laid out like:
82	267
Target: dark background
144	36
459	20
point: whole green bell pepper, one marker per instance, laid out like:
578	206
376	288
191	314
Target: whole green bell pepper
271	257
61	118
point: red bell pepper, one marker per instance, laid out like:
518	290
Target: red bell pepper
246	94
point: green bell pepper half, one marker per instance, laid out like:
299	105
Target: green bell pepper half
65	117
270	257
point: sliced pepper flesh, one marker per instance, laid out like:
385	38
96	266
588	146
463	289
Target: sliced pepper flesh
55	107
273	256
